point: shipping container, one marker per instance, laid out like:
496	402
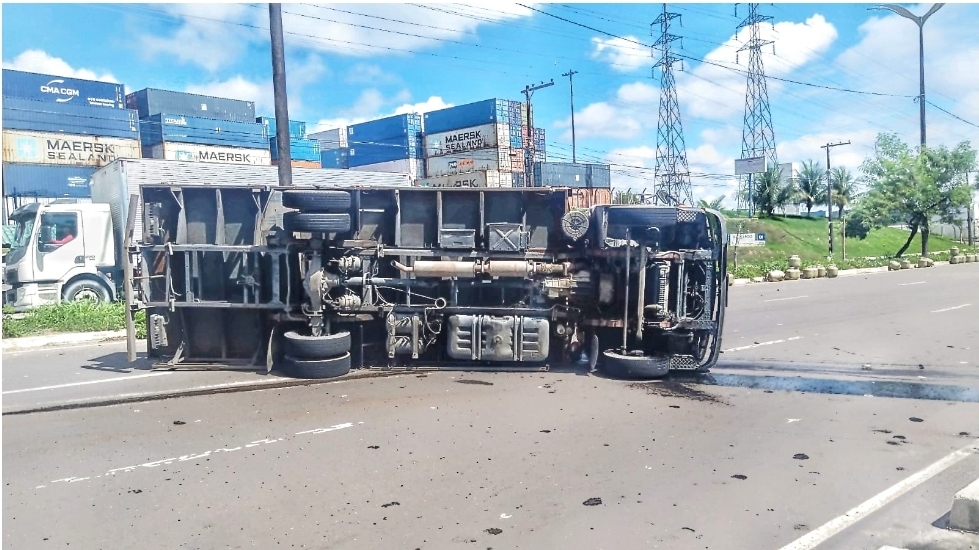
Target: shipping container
502	159
68	118
415	168
297	130
46	180
489	111
331	139
335	158
22	146
299	149
164	127
566	174
467	139
387	139
482	178
311	164
192	152
62	90
586	198
149	102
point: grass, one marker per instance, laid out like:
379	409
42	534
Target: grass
808	238
83	316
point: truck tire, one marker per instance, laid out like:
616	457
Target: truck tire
85	289
319	200
316	347
617	365
315	222
326	368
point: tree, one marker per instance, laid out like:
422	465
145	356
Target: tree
768	191
714	204
812	189
845	188
917	185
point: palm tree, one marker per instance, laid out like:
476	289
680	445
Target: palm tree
768	191
845	188
812	188
788	194
714	204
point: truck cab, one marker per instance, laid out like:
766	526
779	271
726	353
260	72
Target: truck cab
62	251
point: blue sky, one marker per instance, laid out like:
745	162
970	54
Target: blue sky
354	62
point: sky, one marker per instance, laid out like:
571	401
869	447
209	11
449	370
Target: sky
839	72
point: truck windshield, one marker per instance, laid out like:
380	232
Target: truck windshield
22	232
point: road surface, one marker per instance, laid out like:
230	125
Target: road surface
534	460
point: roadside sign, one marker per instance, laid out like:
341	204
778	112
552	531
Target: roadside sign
753	165
746	239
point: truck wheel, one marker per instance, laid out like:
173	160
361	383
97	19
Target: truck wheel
617	365
327	368
86	290
319	200
316	347
315	222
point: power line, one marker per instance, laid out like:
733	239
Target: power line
953	115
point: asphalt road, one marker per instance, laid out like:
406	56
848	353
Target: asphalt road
441	460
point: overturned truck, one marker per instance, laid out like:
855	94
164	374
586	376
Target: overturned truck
415	277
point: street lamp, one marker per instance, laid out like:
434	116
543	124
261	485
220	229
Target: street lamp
920	21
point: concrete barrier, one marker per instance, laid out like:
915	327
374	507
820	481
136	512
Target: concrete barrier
906	264
832	272
810	273
820	271
792	274
923	262
965	509
795	261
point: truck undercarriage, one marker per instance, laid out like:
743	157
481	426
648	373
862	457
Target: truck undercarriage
373	277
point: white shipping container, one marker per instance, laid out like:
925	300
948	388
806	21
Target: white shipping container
485	178
21	146
467	139
500	159
192	152
330	139
412	167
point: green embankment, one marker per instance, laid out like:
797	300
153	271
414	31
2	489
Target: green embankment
70	317
808	237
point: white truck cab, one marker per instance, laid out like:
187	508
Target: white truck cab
62	251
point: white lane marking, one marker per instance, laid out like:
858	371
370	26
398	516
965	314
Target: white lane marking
782	299
834	526
196	456
909	284
73	384
951	308
742	348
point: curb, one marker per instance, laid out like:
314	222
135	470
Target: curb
63	339
965	509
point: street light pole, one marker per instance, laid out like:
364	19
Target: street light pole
829	192
574	151
920	21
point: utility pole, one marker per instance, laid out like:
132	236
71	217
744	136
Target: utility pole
529	148
920	21
279	89
829	192
969	216
574	151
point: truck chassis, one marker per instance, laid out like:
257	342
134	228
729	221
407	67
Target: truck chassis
415	277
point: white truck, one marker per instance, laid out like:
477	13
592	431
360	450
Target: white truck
70	250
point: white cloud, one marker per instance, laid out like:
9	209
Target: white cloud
433	103
372	105
622	54
715	92
626	117
39	61
363	73
216	35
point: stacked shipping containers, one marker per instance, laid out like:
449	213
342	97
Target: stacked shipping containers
57	131
392	144
482	141
334	150
305	153
591	183
198	128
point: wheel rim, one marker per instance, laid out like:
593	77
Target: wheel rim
87	294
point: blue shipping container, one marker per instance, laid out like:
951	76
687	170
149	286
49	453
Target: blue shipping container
297	130
65	118
204	131
335	158
46	180
489	111
149	102
59	89
384	140
299	149
566	174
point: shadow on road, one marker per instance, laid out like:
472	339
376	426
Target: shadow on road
116	362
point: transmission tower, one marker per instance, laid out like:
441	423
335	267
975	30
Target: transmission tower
672	171
758	137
